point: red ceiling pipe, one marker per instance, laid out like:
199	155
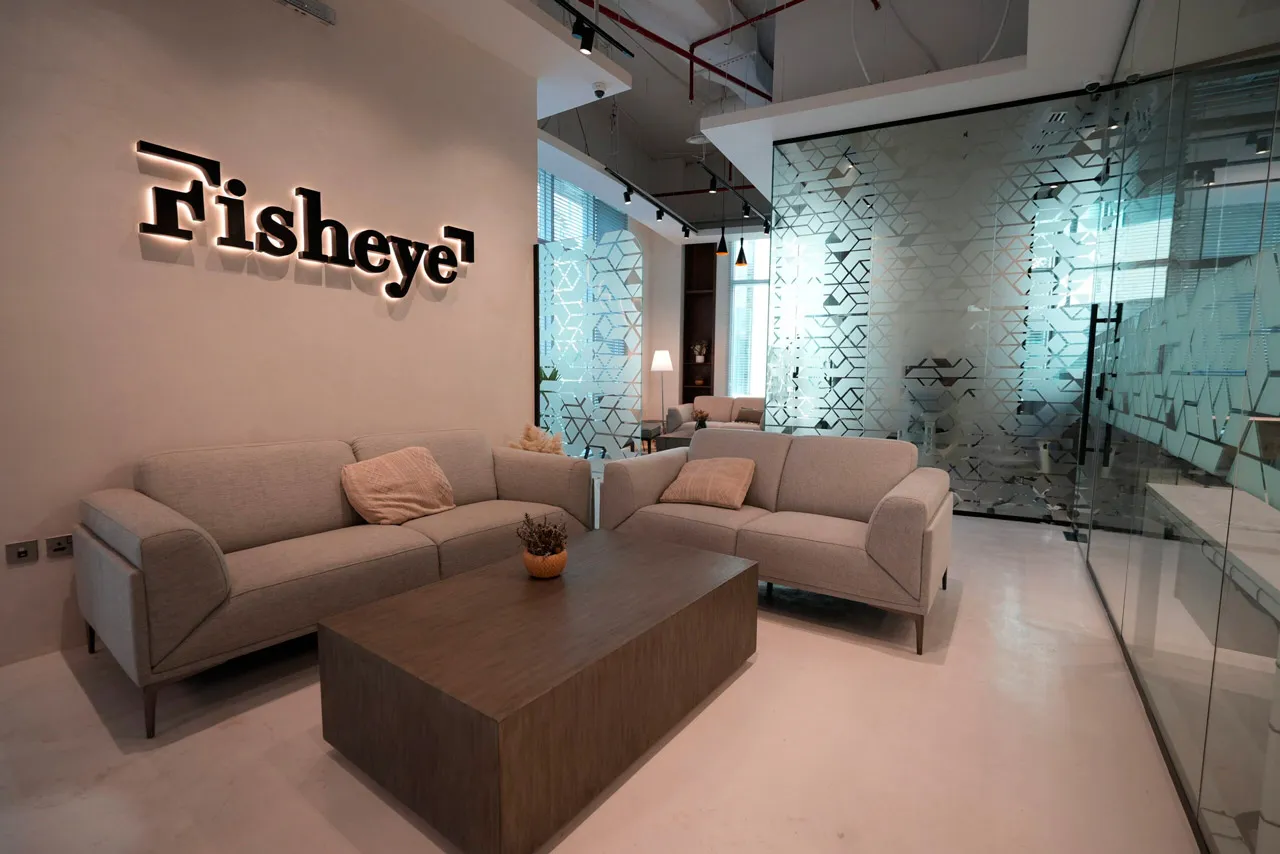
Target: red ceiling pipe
671	46
775	10
693	47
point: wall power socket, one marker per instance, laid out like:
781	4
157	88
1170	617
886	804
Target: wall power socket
59	546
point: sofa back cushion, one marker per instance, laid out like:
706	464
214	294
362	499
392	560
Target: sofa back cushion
843	476
251	495
741	403
465	456
717	408
769	450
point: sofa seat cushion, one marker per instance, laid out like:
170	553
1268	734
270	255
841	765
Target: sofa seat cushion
474	535
821	553
712	528
287	587
732	425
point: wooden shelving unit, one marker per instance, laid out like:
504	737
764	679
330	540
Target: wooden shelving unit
699	320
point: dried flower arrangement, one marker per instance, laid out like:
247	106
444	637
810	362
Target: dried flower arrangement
542	538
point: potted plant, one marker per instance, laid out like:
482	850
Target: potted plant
700	415
545	547
545	376
700	351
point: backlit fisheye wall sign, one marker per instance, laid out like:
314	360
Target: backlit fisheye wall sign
369	250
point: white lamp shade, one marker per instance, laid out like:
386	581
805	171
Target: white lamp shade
661	361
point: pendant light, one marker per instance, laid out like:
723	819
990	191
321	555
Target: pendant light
742	255
722	248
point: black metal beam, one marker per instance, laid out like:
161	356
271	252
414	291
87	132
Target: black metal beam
667	211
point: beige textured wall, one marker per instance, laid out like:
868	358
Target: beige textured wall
663	308
108	356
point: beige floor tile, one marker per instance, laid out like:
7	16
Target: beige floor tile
1019	730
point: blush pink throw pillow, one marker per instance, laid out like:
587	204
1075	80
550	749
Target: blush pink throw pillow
716	482
397	487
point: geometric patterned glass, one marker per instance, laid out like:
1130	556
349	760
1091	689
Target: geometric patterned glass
590	302
932	282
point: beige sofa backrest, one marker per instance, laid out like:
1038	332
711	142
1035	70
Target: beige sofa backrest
844	476
741	403
717	408
251	495
769	450
465	456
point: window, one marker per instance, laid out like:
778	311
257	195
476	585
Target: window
749	318
568	212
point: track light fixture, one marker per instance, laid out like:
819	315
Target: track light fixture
766	226
585	33
722	248
631	190
712	188
742	255
685	230
584	29
1211	178
1263	146
1113	124
746	211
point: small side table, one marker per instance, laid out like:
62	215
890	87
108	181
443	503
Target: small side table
649	431
667	441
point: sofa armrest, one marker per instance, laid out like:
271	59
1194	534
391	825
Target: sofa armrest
184	574
895	534
545	479
678	416
637	482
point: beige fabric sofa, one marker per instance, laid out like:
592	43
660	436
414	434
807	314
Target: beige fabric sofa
721	412
221	551
844	516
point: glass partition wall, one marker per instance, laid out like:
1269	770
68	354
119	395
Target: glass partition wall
590	289
934	282
1069	305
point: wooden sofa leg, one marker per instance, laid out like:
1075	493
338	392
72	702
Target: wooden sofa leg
919	633
149	708
91	637
944	577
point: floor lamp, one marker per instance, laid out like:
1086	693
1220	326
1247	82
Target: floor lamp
662	365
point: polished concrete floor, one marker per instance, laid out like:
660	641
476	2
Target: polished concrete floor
1019	730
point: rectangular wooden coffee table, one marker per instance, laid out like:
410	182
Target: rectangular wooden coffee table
497	706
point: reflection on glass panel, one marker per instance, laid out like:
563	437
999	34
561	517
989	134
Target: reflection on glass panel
1188	389
589	343
933	281
1072	306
